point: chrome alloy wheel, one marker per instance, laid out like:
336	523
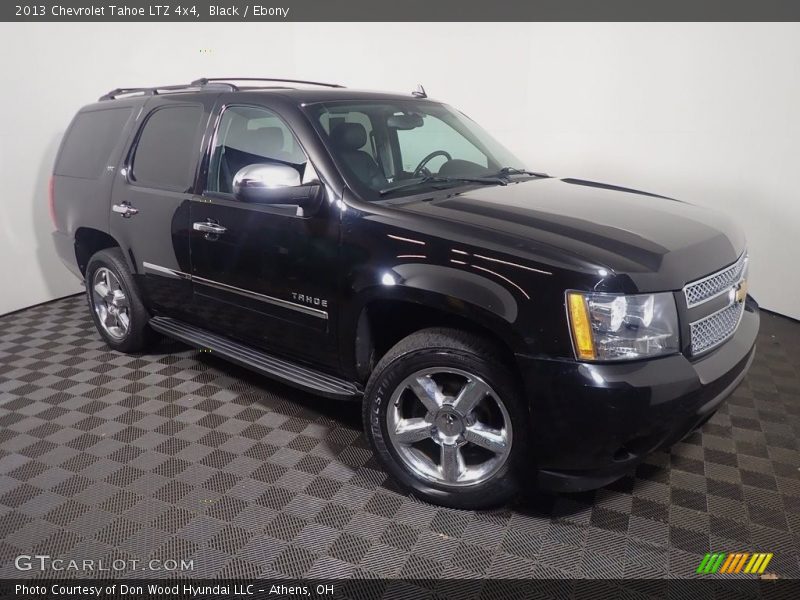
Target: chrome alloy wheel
449	426
110	303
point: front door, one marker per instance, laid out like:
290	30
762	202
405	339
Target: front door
151	193
263	273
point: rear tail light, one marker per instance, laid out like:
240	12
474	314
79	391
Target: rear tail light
52	201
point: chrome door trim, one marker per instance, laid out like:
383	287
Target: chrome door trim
314	312
164	270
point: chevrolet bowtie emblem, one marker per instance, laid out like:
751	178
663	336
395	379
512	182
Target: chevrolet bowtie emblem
741	291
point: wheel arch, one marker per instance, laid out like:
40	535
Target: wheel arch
384	317
89	241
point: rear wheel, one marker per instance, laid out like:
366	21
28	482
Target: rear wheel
117	310
446	419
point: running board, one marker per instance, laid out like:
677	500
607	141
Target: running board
277	368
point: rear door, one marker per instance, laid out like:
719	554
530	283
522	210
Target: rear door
151	196
270	277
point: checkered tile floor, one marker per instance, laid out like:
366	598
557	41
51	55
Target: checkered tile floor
178	455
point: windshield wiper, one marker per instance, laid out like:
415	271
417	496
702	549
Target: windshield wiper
515	171
492	180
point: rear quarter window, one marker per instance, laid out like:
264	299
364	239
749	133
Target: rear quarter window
166	152
89	142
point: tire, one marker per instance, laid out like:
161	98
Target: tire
449	358
109	266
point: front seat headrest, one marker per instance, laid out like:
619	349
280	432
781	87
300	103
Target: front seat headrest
264	141
349	136
271	138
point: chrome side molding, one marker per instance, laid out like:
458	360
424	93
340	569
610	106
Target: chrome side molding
308	310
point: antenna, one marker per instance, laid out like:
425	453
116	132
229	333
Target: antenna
419	92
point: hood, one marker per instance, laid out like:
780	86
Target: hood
660	243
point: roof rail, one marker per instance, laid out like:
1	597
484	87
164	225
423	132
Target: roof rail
208	80
154	91
203	82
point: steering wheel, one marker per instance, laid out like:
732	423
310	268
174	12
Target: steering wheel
421	166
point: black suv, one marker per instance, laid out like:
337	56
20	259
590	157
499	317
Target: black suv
498	325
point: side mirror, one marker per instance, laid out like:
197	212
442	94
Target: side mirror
268	183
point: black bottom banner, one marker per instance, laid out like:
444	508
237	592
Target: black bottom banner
400	589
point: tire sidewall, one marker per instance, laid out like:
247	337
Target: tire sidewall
501	486
132	338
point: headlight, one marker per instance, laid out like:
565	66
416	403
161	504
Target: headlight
618	327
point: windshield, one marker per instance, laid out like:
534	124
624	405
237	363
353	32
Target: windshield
395	148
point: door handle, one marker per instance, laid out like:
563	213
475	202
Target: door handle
210	228
124	209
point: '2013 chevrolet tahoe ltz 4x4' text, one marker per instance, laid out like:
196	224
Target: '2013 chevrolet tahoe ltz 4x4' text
498	324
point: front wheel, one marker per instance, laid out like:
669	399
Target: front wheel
446	420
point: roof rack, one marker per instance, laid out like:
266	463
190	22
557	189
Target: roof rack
154	91
204	82
208	80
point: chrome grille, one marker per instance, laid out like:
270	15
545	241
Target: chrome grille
715	284
715	328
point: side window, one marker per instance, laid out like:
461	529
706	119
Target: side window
90	141
165	153
250	135
435	134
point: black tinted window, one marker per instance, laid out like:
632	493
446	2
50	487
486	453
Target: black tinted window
89	142
165	154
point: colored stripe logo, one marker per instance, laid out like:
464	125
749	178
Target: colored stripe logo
734	562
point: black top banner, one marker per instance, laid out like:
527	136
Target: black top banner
399	10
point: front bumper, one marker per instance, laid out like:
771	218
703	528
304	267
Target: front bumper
592	423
